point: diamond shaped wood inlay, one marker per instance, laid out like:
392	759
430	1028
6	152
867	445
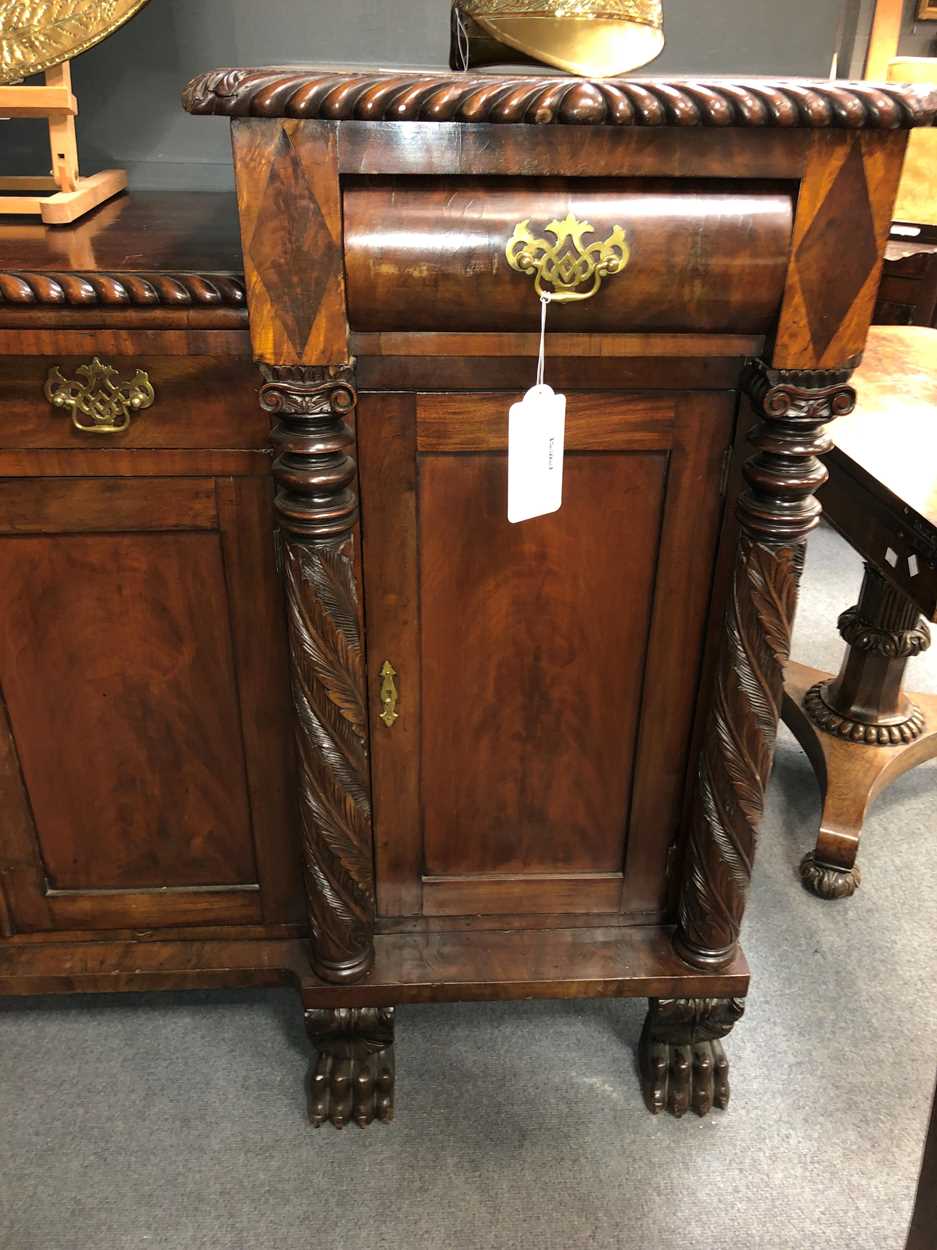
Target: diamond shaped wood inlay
830	276
291	247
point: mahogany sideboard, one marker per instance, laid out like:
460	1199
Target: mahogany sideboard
526	760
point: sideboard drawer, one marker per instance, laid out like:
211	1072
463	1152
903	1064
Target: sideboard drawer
183	402
425	255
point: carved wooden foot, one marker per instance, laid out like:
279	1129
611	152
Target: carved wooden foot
851	774
352	1079
825	882
683	1065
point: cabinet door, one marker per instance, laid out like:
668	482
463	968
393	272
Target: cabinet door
143	727
546	672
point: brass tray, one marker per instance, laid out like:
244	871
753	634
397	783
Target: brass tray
37	34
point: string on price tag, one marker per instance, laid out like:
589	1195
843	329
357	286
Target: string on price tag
536	436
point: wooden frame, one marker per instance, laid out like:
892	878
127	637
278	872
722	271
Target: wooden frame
927	11
65	195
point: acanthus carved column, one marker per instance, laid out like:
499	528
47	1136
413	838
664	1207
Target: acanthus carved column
776	511
317	512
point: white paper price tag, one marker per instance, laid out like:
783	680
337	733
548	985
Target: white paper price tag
536	431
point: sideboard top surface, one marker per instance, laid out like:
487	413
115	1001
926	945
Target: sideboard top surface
159	252
337	94
142	231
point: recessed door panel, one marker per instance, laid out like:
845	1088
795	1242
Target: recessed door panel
533	642
116	664
143	718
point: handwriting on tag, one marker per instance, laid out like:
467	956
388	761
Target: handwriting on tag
536	433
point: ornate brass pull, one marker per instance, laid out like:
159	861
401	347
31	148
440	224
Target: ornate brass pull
568	269
388	694
99	402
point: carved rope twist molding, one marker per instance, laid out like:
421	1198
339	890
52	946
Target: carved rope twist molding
776	512
121	290
317	511
409	96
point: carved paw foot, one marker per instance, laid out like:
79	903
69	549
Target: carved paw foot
680	1078
346	1091
825	882
352	1079
683	1064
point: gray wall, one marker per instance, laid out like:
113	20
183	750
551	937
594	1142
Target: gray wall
917	38
129	85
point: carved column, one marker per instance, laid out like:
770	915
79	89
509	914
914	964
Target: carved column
776	511
317	512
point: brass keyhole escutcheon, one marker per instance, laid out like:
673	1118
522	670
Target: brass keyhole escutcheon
389	695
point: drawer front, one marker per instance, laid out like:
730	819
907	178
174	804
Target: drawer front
147	402
420	255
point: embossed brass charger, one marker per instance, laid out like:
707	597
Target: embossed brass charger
596	38
37	34
40	36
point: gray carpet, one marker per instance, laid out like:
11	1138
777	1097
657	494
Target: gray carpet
177	1122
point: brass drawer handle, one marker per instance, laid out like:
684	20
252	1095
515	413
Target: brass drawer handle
388	694
568	269
99	402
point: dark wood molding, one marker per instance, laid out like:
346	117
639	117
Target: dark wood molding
94	289
776	511
865	702
337	95
683	1066
317	512
885	622
353	1077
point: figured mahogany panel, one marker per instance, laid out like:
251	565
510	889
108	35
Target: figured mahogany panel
512	373
476	423
430	255
116	665
449	148
533	643
560	348
126	334
291	233
585	893
80	505
455	601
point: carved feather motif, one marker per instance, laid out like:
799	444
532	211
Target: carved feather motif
328	689
738	750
